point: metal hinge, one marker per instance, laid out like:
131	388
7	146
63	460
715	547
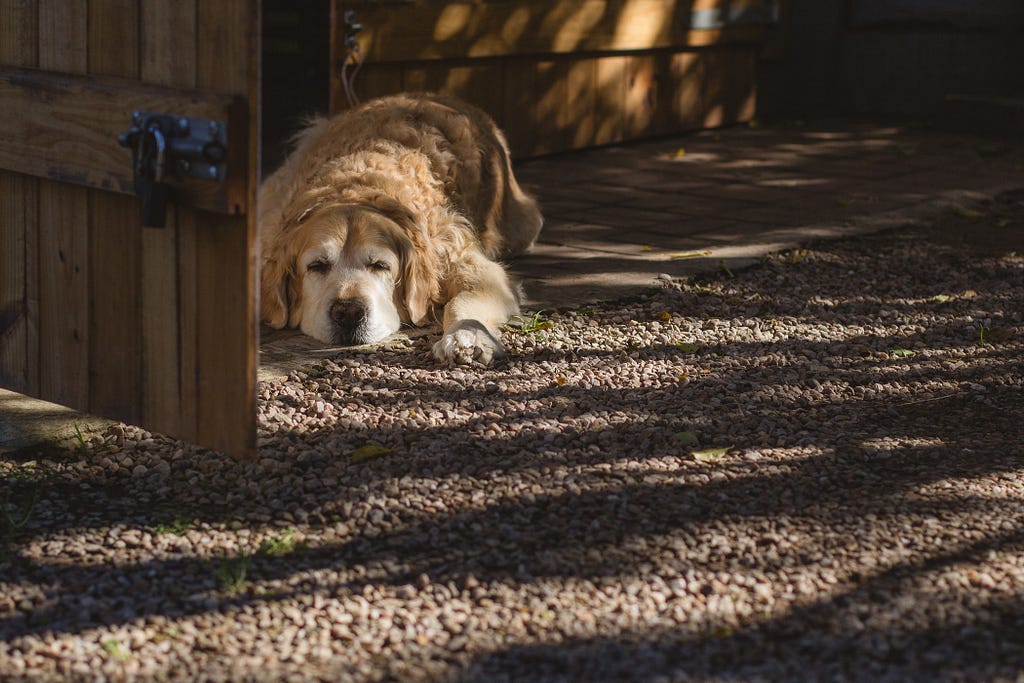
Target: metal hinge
167	147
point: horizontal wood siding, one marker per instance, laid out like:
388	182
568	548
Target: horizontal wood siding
404	31
565	74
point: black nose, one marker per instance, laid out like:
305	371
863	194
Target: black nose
348	316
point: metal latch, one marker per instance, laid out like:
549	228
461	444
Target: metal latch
165	148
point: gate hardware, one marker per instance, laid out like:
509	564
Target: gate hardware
172	147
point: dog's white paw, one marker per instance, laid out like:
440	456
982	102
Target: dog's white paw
469	342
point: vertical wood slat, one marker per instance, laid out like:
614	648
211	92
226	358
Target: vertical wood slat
734	98
520	101
683	102
63	245
227	327
550	111
19	202
167	56
641	101
115	337
610	86
581	102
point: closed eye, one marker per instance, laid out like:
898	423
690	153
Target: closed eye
379	266
318	267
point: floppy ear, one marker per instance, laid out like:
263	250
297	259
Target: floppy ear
418	287
279	295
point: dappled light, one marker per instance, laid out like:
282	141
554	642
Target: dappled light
567	74
735	474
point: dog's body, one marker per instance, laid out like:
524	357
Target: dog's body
389	212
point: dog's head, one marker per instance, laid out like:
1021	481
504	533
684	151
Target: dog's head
348	273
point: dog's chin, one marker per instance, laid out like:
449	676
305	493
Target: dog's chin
357	338
365	333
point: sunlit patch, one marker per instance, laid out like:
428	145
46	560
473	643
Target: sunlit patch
890	444
454	18
689	157
794	182
641	23
516	25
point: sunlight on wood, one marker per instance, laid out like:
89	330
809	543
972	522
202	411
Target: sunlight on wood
574	29
565	74
643	22
453	20
515	26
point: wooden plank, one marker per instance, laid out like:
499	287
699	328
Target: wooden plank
167	42
684	103
641	98
63	227
19	32
115	335
187	221
549	113
609	99
115	240
63	36
581	102
65	127
373	80
518	110
402	31
19	201
227	328
477	82
17	195
730	93
481	83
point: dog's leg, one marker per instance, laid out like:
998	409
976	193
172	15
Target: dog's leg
481	302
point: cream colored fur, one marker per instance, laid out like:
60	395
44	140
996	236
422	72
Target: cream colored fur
396	211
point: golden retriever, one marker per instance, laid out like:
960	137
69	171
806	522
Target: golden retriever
387	214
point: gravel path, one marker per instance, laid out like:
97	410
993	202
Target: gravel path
809	470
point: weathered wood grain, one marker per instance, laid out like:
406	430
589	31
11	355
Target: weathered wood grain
19	201
65	128
115	240
227	325
63	217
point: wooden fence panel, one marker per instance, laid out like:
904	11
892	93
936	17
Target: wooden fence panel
150	325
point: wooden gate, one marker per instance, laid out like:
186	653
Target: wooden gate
154	326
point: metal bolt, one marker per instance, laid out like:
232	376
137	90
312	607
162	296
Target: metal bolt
183	126
214	128
136	117
213	172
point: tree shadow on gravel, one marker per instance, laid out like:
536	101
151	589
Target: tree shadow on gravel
843	474
822	640
624	518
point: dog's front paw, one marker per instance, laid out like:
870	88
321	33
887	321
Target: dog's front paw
469	342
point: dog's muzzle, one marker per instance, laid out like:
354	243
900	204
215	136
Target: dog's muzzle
349	317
